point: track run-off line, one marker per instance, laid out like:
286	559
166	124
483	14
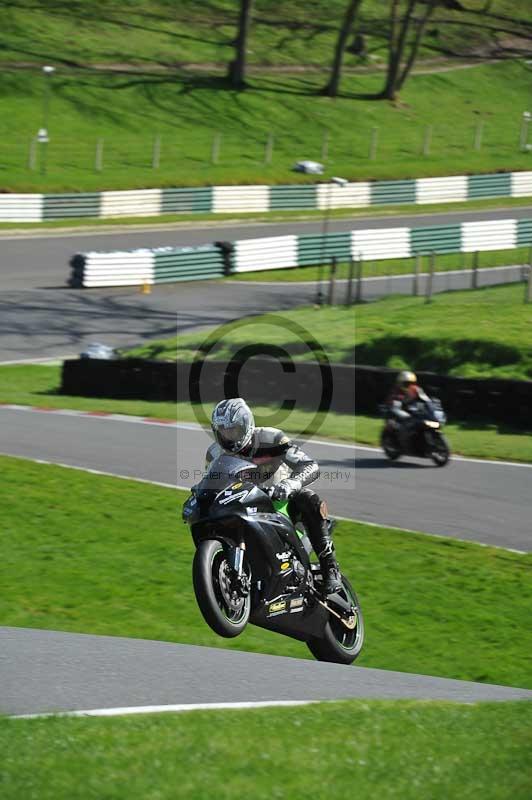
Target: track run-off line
190	426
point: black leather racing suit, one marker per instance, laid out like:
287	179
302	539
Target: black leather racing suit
279	459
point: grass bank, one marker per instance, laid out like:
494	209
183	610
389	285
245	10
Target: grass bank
91	554
127	112
483	333
161	34
35	385
392	750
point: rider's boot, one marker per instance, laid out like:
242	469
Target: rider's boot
324	548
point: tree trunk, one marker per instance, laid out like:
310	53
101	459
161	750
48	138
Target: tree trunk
237	67
331	89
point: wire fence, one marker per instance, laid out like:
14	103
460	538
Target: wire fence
422	276
199	150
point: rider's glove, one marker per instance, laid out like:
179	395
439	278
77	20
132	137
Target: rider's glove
284	489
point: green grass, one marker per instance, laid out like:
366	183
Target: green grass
390	751
91	554
275	216
471	333
36	385
392	266
127	111
161	33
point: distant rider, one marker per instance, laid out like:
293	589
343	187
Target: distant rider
405	392
283	465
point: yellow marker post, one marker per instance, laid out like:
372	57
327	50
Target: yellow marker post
145	288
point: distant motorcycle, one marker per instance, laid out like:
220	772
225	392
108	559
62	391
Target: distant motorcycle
253	565
421	437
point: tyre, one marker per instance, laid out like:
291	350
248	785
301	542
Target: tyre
440	451
338	644
390	445
223	609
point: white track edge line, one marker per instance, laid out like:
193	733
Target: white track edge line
176	708
191	426
428	533
180	487
43	361
96	471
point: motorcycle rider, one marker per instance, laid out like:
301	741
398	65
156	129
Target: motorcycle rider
405	392
280	464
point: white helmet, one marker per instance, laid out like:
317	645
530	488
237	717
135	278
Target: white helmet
233	424
405	377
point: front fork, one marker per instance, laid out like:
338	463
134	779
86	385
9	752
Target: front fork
236	562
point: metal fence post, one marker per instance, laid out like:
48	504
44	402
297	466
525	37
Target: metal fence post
523	135
349	290
478	135
358	295
474	271
332	278
325	146
528	285
216	145
156	153
428	296
427	140
415	288
98	157
374	144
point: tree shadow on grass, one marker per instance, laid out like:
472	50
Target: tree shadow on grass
438	355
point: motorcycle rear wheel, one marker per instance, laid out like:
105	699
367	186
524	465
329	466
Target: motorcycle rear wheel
339	645
390	445
222	609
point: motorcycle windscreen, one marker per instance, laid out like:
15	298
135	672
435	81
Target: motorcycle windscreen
226	469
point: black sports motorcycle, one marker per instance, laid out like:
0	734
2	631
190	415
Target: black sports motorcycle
252	565
422	436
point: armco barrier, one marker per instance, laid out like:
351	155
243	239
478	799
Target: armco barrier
241	199
167	264
381	243
62	206
120	378
342	388
21	207
137	267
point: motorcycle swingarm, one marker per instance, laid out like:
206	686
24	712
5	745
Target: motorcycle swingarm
348	621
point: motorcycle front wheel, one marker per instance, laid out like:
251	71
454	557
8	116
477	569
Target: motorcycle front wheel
338	644
223	609
440	451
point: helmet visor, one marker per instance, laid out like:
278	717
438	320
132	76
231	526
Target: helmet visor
232	437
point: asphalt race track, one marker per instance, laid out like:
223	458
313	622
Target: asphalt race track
40	317
32	260
38	323
478	501
49	671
